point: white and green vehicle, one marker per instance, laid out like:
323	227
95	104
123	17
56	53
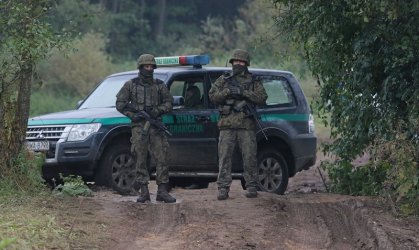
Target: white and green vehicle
93	140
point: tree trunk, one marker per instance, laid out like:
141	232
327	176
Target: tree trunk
14	114
159	29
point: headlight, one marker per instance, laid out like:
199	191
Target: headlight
311	124
80	132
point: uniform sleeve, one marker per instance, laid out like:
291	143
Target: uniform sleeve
218	92
258	95
123	98
166	98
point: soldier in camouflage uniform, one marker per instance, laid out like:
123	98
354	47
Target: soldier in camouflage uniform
236	126
144	93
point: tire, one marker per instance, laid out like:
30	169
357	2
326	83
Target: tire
117	169
272	171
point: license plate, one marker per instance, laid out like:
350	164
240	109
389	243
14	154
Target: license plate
38	145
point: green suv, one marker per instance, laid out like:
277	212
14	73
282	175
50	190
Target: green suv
93	140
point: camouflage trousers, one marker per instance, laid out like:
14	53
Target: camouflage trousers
155	142
246	143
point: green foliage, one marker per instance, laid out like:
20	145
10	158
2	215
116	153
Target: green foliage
137	27
25	39
78	17
361	180
365	56
44	101
6	242
27	47
402	183
73	186
24	175
78	72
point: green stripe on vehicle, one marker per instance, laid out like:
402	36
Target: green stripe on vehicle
105	121
113	120
168	119
59	121
285	117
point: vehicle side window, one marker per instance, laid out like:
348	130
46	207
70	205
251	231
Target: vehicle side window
278	90
192	90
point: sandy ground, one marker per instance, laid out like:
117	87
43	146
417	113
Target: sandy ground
304	218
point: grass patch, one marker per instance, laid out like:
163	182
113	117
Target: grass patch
47	222
30	223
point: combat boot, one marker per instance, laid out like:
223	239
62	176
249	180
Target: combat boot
251	192
144	194
222	194
163	195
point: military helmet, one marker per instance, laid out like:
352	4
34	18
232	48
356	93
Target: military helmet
241	55
146	59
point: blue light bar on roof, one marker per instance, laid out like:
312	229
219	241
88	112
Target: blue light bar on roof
196	60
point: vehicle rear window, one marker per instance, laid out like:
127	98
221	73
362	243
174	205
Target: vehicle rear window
278	90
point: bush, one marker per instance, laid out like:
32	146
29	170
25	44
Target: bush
24	175
78	72
362	180
402	184
73	186
392	172
46	101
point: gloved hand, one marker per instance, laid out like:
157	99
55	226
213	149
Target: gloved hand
235	90
153	112
136	118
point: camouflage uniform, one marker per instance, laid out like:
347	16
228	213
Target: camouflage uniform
144	93
236	127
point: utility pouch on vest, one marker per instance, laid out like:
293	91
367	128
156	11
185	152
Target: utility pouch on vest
224	110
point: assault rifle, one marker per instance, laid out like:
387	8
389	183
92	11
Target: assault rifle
235	87
156	123
243	104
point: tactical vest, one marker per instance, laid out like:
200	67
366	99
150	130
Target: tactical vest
231	118
145	95
227	108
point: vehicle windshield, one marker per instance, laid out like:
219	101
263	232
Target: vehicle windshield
104	95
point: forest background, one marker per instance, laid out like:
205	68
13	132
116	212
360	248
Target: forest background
108	36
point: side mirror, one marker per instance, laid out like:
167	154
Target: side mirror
79	103
178	101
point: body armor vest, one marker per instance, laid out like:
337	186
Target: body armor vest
145	95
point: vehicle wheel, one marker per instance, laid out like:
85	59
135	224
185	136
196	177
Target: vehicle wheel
117	169
273	171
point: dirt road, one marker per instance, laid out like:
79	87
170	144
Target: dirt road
304	218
